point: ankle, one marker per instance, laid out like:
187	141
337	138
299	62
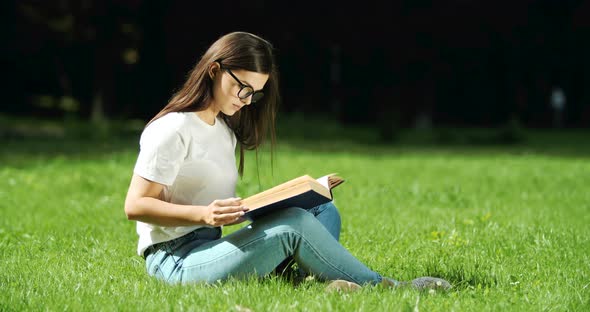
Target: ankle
390	283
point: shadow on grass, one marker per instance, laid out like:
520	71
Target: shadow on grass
26	139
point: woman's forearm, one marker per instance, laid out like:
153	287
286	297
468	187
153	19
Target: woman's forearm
159	212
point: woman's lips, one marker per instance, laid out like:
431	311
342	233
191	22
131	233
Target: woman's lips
237	107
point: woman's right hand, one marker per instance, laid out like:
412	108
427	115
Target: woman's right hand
224	211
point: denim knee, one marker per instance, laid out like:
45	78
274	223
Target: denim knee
329	216
291	221
296	217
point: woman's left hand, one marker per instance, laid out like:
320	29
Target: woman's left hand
224	211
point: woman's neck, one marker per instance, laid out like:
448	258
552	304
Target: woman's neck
208	115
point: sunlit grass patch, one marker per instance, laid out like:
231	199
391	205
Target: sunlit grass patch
508	227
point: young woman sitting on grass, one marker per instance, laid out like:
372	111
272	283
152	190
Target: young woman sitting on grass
183	186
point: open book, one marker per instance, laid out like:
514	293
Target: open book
303	192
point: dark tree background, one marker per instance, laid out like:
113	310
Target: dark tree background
413	63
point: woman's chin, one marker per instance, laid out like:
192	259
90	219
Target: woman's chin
229	112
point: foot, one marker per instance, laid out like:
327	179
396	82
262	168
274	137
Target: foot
342	286
427	282
421	283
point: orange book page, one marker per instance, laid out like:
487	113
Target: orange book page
287	193
277	188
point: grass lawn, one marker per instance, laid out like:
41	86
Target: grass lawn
508	226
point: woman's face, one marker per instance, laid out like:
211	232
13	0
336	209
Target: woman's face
226	88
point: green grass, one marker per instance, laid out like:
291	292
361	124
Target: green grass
507	225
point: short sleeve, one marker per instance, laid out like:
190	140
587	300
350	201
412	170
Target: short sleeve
161	153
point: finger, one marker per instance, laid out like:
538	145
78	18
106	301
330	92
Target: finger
229	217
229	209
234	201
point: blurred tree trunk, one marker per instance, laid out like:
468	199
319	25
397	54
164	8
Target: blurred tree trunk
15	96
106	49
88	46
153	67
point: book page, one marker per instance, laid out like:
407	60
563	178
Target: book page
285	194
280	187
324	181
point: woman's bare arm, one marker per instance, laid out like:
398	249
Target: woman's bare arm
143	203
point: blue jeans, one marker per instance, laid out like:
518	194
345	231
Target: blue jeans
310	237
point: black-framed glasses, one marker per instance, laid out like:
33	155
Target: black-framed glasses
245	90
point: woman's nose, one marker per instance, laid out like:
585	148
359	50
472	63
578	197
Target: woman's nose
247	100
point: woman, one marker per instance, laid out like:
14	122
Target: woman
183	187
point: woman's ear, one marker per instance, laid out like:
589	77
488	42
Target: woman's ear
213	69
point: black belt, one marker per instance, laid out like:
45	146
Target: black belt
152	248
200	233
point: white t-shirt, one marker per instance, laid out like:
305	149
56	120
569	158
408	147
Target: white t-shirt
194	160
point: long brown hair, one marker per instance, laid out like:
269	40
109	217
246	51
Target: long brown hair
236	50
